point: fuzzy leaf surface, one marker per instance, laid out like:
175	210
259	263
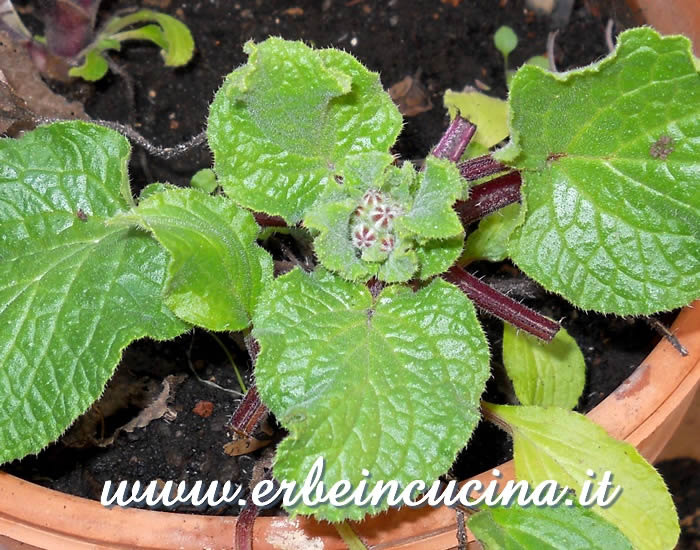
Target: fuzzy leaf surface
551	443
73	291
392	386
216	271
169	33
545	528
490	240
550	374
610	160
281	126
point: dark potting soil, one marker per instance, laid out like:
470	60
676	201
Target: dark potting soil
442	44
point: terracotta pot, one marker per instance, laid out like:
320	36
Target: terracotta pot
645	411
671	17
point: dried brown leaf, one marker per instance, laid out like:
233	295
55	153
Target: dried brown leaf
410	96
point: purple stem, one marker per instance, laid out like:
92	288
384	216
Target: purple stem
489	197
250	411
502	306
480	167
248	415
244	526
455	139
265	220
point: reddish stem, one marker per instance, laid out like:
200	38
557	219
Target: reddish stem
250	411
489	197
455	139
244	526
502	306
480	167
248	415
265	220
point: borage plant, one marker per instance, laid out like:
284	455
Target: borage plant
374	359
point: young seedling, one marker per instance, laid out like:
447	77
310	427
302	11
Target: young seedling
506	41
375	359
72	48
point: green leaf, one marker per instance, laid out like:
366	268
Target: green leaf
554	444
170	34
610	160
73	292
490	114
431	215
490	240
538	61
390	385
505	40
216	272
550	374
282	125
151	33
437	255
389	222
204	179
94	67
545	528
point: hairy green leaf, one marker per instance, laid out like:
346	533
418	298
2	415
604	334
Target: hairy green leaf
545	528
390	385
430	215
490	114
551	443
168	33
549	374
610	159
93	68
490	240
389	222
204	179
73	291
281	126
216	272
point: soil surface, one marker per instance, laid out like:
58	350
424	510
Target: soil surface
441	45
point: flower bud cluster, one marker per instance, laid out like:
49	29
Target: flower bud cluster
372	223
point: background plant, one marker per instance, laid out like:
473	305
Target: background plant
608	219
71	47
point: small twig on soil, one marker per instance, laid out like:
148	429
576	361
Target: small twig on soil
551	37
502	306
664	331
455	139
209	382
233	363
489	197
133	135
609	35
